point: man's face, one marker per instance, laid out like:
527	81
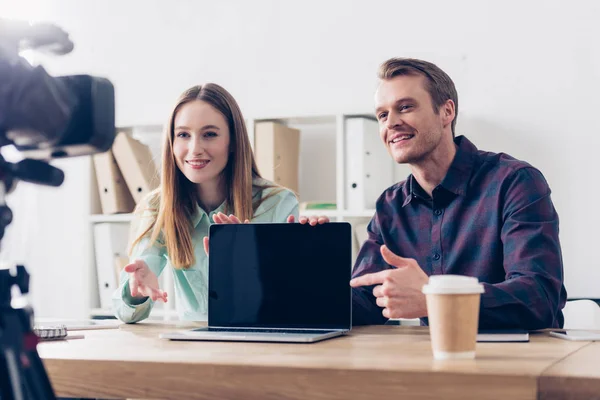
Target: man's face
408	125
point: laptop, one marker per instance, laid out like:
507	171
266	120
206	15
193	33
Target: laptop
277	283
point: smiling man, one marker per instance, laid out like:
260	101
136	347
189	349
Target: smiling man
461	211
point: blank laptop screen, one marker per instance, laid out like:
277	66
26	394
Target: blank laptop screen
280	276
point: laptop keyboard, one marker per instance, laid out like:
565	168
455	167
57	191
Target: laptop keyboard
280	331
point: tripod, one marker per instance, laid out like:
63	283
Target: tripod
22	374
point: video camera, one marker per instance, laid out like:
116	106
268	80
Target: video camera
44	118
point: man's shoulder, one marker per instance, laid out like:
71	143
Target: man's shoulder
501	165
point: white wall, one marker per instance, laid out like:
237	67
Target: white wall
50	235
527	73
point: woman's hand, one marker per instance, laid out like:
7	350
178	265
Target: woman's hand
143	282
312	221
220	218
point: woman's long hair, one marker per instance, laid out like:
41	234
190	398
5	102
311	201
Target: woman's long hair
174	203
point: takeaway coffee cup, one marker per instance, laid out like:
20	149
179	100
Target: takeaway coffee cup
453	311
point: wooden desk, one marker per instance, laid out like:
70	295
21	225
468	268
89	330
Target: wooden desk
371	362
575	377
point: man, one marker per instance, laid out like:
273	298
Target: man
461	211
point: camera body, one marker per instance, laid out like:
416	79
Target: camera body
90	127
45	117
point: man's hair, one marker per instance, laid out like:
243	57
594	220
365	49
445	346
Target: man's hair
439	85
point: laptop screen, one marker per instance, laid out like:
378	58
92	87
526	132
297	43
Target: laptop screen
280	276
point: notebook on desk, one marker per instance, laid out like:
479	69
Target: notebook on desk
503	335
277	283
78	325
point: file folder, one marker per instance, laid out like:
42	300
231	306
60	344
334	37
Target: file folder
277	152
369	167
137	165
114	195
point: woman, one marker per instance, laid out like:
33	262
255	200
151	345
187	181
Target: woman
208	175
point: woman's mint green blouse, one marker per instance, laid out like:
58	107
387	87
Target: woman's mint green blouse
191	285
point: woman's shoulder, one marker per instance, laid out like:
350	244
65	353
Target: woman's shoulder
263	189
145	214
150	202
148	206
273	203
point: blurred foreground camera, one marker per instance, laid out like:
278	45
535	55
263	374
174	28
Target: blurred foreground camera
43	118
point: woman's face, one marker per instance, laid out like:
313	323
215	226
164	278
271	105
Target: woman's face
201	142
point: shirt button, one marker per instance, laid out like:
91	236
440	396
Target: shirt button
438	212
436	256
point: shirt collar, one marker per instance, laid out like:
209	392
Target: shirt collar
407	190
457	177
413	190
200	213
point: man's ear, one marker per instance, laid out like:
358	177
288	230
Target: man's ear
448	111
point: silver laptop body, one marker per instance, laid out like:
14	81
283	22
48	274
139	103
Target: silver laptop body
277	283
226	335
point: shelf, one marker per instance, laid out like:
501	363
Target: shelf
300	120
338	213
111	218
306	213
99	312
155	313
312	119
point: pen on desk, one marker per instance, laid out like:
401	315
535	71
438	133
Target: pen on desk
69	337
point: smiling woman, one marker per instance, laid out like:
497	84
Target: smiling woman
201	148
208	172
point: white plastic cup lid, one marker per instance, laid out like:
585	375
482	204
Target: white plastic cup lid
452	284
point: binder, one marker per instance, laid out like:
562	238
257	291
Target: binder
137	165
120	263
114	195
110	247
277	153
369	167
